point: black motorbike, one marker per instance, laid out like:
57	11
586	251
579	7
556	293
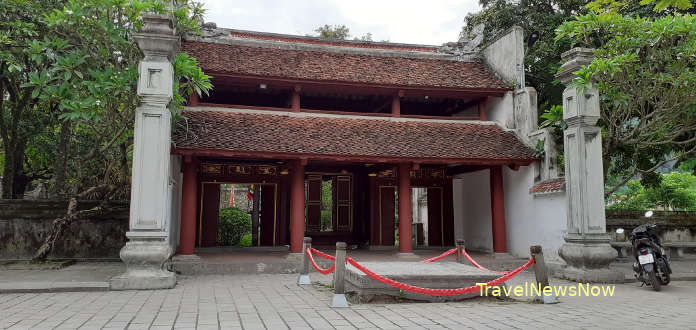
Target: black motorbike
651	265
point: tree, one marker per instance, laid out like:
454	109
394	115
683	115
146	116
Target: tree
538	17
21	115
82	74
338	32
676	192
645	70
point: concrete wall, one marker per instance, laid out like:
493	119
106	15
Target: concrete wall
25	223
671	226
532	219
505	56
472	210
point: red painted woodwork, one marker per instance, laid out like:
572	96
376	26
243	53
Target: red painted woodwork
386	218
313	203
482	110
343	158
343	203
448	216
189	201
210	212
396	106
498	210
435	216
309	85
405	219
297	206
295	100
268	215
193	100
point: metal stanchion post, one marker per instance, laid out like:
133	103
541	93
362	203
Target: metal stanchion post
339	298
460	248
304	272
542	275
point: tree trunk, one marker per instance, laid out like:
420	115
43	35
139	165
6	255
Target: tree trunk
14	181
62	161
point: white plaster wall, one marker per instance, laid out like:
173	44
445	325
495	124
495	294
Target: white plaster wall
505	55
532	220
501	109
175	180
472	210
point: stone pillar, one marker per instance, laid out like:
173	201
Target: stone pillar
498	210
189	199
297	206
148	247
405	216
587	251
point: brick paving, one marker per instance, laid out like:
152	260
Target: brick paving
276	302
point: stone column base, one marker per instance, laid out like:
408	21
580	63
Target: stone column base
145	259
603	275
588	260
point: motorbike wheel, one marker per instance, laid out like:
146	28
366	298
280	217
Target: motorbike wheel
664	279
654	281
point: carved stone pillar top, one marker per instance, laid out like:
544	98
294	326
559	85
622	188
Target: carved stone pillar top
158	37
573	60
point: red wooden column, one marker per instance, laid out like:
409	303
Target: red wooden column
193	100
405	219
498	210
482	109
189	196
297	206
295	100
396	104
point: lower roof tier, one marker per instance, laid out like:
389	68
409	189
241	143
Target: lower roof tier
210	131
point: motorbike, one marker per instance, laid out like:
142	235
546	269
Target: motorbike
651	265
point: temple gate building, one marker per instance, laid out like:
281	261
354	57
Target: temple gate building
333	135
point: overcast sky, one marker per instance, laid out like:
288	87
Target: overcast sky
430	22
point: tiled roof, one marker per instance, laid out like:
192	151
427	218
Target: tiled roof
548	186
315	65
303	133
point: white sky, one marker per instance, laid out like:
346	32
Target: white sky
431	22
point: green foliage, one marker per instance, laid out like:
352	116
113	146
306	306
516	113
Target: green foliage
333	32
327	205
645	71
338	32
543	59
675	191
71	70
233	225
553	117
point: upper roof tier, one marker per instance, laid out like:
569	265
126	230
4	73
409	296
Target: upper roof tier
380	64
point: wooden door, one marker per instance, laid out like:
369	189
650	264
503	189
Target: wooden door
435	217
386	216
268	215
343	203
313	203
208	225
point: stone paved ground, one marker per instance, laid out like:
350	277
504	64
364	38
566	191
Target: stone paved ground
276	302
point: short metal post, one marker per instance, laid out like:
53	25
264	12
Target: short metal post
542	275
304	272
339	298
460	248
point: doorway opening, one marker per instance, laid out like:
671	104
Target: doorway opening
238	214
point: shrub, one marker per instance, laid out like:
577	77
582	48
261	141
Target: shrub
233	224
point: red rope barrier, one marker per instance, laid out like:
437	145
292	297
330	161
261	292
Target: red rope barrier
437	292
448	252
473	262
319	269
323	255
